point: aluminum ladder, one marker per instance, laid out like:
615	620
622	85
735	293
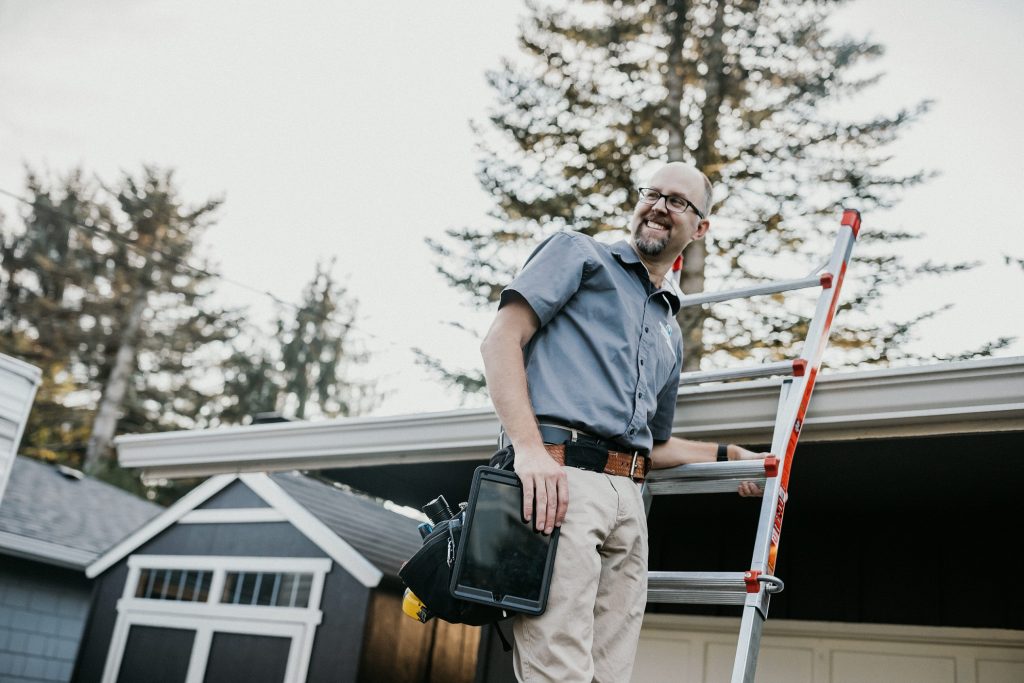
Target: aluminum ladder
754	587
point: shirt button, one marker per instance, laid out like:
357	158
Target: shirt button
646	329
640	394
641	361
632	432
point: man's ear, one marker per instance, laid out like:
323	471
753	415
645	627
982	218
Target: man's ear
702	229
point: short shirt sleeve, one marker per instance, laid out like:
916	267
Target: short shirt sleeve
661	425
551	276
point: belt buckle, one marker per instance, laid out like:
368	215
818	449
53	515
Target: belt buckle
632	465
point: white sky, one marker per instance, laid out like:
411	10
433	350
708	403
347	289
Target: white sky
296	112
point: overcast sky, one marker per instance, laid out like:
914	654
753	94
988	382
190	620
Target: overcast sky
299	113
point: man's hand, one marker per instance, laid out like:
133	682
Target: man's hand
747	489
544	481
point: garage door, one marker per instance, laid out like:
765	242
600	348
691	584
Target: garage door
678	648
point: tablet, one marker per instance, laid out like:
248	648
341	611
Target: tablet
501	560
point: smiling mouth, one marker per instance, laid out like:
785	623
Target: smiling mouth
651	225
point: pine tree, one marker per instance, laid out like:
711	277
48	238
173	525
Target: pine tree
748	91
100	290
304	370
48	305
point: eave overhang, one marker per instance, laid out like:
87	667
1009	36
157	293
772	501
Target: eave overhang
950	398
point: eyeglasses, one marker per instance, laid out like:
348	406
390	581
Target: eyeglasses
673	203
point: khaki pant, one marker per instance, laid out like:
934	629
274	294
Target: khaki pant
590	629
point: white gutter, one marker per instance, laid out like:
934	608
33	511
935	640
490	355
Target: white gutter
45	551
969	396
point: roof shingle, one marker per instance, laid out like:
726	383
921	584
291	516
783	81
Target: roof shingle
43	507
384	537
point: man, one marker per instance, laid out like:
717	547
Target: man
582	363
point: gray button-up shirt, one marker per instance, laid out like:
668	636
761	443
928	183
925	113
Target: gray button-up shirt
607	356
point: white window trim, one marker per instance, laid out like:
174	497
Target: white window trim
233	516
208	618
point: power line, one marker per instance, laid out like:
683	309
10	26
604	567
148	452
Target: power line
181	263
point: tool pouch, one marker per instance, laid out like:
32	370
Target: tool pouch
585	456
428	573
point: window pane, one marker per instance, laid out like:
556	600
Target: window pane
202	587
140	590
276	590
263	589
302	593
186	585
180	577
284	593
267	589
162	581
231	584
248	586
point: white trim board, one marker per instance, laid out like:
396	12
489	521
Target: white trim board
984	395
283	508
233	516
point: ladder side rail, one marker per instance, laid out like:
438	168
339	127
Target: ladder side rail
748	646
789	422
788	428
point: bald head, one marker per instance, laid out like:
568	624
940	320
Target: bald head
689	175
659	231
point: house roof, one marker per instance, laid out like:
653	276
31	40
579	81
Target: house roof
977	396
385	538
359	533
59	516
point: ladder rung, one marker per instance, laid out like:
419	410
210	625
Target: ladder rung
706	588
710	477
783	367
817	280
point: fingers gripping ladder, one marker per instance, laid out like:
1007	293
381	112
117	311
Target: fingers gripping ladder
753	588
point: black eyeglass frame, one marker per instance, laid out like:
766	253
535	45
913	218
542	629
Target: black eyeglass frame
666	197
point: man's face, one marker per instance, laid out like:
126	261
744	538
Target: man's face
656	230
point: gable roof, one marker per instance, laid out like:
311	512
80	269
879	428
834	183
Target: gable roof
61	517
385	538
359	533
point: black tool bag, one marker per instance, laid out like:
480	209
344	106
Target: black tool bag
428	573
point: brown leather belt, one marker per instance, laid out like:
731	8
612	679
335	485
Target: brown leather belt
632	465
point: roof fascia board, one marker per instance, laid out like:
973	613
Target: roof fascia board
17	545
319	533
962	397
179	509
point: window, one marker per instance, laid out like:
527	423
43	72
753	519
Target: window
173	584
269	589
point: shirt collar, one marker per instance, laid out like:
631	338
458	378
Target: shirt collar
627	256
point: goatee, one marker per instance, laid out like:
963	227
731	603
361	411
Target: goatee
650	247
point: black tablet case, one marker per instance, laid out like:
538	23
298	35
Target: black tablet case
501	561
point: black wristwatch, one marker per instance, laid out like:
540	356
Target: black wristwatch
723	452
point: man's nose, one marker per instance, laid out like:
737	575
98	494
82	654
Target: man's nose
661	204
